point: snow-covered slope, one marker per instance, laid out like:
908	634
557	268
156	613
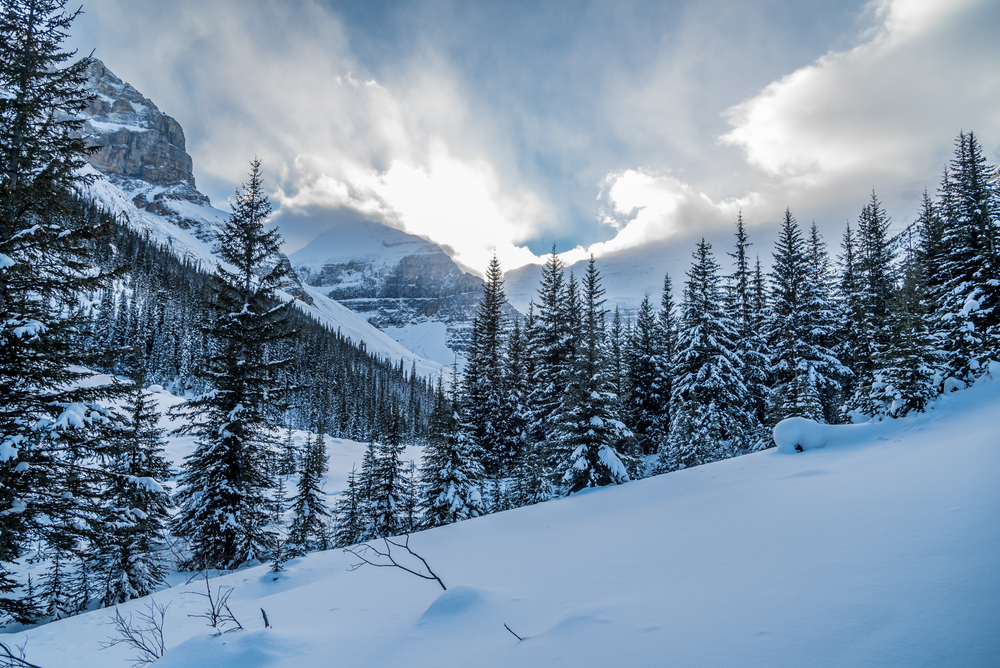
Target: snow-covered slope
880	549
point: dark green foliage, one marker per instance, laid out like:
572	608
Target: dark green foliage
308	530
54	434
225	481
129	557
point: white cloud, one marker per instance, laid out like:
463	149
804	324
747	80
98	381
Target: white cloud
278	80
883	109
882	114
647	207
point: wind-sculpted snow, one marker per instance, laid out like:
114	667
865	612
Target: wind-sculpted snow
879	549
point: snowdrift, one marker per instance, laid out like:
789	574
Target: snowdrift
880	549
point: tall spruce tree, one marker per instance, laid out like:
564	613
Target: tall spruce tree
709	399
742	305
309	511
53	431
451	474
223	494
590	425
646	406
967	297
800	322
876	284
130	560
485	387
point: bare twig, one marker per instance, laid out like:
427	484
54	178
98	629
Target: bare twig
267	624
147	639
519	638
9	660
218	613
369	554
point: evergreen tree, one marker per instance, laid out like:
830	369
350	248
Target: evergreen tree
129	559
709	397
968	295
350	523
450	472
308	530
590	425
909	366
742	304
877	284
646	406
53	431
800	321
224	484
552	339
485	386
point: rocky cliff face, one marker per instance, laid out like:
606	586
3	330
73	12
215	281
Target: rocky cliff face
141	152
135	139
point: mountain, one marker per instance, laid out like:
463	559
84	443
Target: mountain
406	286
626	275
879	549
142	172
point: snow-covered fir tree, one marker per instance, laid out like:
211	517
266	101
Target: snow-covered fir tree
486	408
709	397
224	485
130	557
743	305
309	511
967	292
53	431
646	407
800	320
590	425
451	474
350	524
876	282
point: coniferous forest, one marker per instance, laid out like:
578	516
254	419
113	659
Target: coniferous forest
571	395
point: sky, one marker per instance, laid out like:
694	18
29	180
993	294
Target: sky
508	127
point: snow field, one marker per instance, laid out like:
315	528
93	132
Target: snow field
880	549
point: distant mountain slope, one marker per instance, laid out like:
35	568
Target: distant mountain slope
402	284
626	275
143	174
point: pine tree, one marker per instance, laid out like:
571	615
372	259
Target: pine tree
53	431
967	298
709	399
800	322
450	472
350	523
129	559
742	304
877	284
309	510
553	346
386	500
485	386
909	370
646	408
224	484
590	425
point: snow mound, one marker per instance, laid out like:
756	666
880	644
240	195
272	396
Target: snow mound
797	434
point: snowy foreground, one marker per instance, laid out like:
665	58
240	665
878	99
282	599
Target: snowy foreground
880	549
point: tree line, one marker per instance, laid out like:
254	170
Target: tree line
574	396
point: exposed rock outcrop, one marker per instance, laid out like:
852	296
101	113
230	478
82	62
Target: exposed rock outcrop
142	152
